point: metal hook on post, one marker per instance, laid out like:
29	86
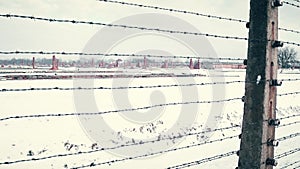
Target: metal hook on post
276	44
276	3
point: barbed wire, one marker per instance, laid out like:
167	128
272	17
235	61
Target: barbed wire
289	30
152	141
290	79
291	43
296	0
124	55
117	55
129	109
290	164
131	87
176	149
287	94
119	88
105	76
145	142
118	111
287	153
130	158
174	10
289	124
188	12
198	162
290	116
122	26
169	104
204	160
154	153
291	4
164	138
136	27
135	109
141	143
288	137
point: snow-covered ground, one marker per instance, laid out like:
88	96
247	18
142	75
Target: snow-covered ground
27	138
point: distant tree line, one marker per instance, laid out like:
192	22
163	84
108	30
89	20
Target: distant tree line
18	61
287	58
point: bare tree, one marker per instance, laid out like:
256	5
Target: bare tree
286	57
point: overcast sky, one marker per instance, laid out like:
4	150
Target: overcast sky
20	34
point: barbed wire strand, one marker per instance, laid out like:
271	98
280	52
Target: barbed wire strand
291	136
117	55
164	138
287	153
105	76
118	111
287	94
154	153
290	116
204	160
174	10
290	164
291	43
129	109
120	87
290	79
291	4
296	0
189	12
289	124
130	87
289	30
124	26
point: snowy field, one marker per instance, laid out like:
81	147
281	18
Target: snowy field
140	139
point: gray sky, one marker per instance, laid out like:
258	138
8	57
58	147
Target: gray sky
18	34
